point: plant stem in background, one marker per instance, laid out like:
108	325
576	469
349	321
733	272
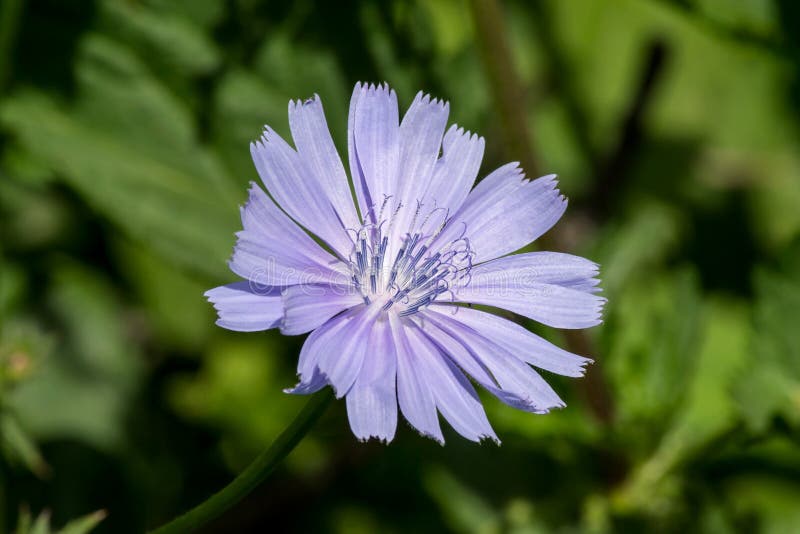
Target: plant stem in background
509	99
506	88
613	172
609	167
255	473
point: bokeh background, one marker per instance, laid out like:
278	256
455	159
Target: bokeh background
674	126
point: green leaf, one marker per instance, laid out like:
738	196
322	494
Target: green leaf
84	524
18	445
772	502
450	25
630	250
24	521
205	14
707	414
42	524
245	101
161	36
243	104
24	345
652	340
277	64
772	385
130	149
82	392
12	288
36	217
176	310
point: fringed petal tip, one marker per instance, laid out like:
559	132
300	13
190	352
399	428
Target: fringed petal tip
483	438
308	384
383	440
426	99
599	308
550	180
313	100
487	438
583	367
527	404
438	438
460	131
373	88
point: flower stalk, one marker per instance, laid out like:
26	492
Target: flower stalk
255	473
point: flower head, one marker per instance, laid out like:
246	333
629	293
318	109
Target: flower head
384	284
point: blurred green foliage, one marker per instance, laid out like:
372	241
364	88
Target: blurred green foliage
124	131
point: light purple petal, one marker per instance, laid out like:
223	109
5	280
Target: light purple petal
492	366
505	212
309	384
455	397
547	267
520	342
455	172
244	310
338	349
315	146
374	145
273	251
420	143
519	291
413	393
307	307
372	401
288	181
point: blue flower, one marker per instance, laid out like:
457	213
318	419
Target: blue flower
385	283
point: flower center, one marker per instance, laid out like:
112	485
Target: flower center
408	271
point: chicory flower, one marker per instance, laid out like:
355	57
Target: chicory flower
382	268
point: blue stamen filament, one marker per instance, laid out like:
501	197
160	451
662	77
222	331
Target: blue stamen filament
417	276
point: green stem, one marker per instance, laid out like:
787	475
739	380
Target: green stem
254	474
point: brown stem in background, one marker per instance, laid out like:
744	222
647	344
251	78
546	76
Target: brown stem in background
509	99
506	88
560	80
608	171
611	175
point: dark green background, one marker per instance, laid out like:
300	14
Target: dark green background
124	131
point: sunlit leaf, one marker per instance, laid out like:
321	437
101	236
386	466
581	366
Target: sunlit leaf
772	386
164	37
19	447
129	148
651	349
81	525
708	412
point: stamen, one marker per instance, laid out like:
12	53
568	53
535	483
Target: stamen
420	273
